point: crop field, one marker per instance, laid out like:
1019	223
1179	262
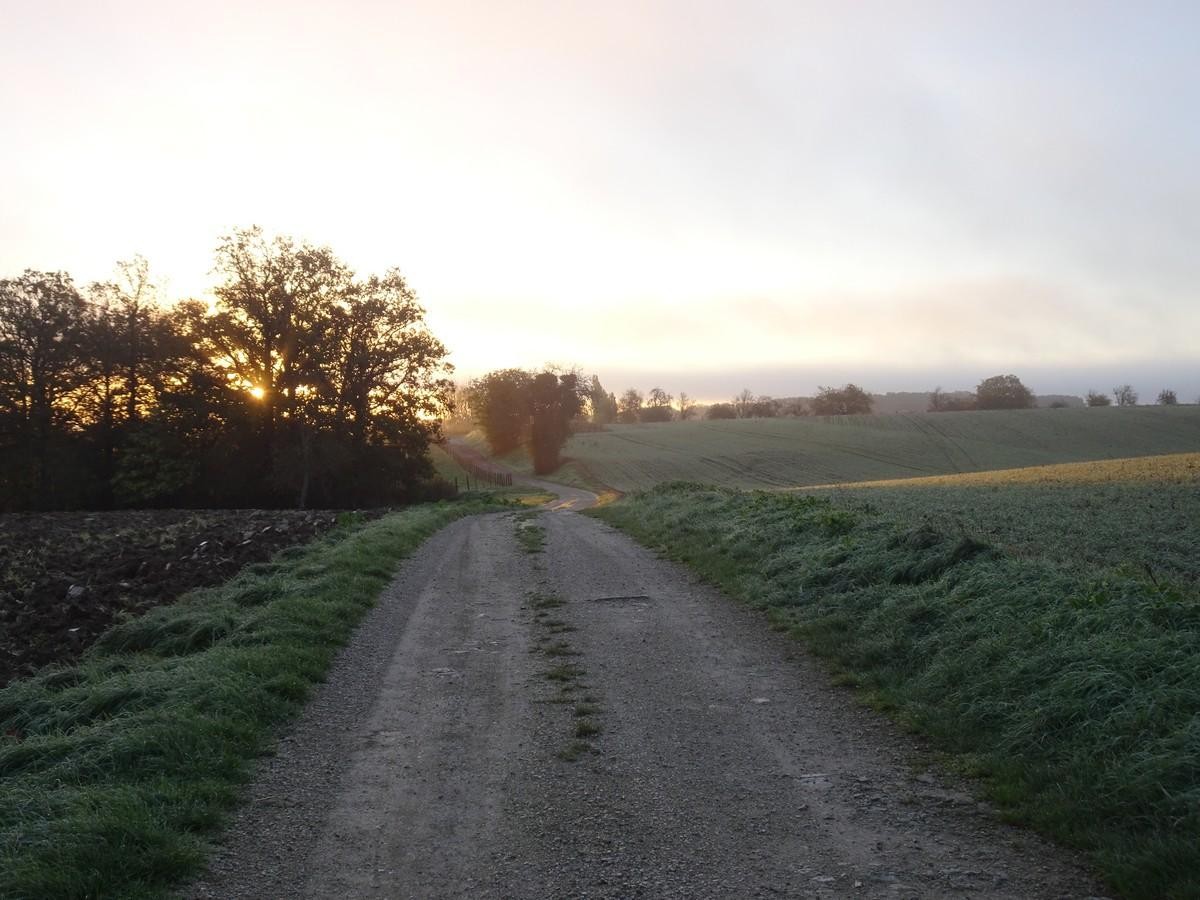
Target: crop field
1139	514
781	453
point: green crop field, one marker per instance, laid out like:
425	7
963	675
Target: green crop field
780	453
1139	515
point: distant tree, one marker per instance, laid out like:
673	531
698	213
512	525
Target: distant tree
1003	392
501	403
1095	398
686	407
743	402
1125	395
721	411
763	407
604	404
793	407
1059	404
1167	398
554	401
960	401
658	406
629	407
847	400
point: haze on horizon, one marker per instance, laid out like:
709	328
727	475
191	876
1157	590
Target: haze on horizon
705	193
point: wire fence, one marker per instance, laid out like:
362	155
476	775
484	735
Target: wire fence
480	473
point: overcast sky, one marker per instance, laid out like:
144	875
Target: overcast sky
772	194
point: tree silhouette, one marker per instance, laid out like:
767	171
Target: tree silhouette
1003	392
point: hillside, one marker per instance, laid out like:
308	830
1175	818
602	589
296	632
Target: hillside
775	453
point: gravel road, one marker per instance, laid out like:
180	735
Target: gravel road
590	721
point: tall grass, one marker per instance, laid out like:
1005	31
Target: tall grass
114	773
1076	696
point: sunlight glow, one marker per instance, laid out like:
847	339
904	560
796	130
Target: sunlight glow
257	393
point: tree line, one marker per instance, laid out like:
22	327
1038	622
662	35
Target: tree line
302	384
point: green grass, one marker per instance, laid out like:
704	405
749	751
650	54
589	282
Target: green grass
1145	526
115	773
530	535
1074	693
781	453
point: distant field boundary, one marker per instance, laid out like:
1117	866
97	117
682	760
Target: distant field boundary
1172	467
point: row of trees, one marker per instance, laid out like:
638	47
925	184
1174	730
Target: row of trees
517	408
1125	395
659	406
303	384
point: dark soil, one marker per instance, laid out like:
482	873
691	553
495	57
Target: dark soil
66	577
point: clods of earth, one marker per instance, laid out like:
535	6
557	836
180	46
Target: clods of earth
66	577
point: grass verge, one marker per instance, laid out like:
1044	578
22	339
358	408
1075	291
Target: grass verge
1075	696
115	773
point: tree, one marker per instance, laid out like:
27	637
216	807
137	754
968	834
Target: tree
763	407
604	404
941	401
721	411
305	384
686	407
1095	398
847	400
658	406
743	402
1003	392
502	408
1125	395
1167	398
629	407
42	322
554	401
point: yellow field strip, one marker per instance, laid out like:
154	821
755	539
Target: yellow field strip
1178	468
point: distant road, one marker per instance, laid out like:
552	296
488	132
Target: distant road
715	759
567	497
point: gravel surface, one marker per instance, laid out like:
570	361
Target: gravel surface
722	763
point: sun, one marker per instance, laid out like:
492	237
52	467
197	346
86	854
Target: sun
257	393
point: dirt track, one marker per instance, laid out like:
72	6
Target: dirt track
726	765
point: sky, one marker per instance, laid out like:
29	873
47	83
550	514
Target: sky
700	195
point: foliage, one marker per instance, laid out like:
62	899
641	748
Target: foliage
658	407
958	401
516	408
1167	398
844	401
1095	398
604	404
721	411
117	771
629	407
500	402
1004	392
1125	395
554	401
1073	694
306	385
687	408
